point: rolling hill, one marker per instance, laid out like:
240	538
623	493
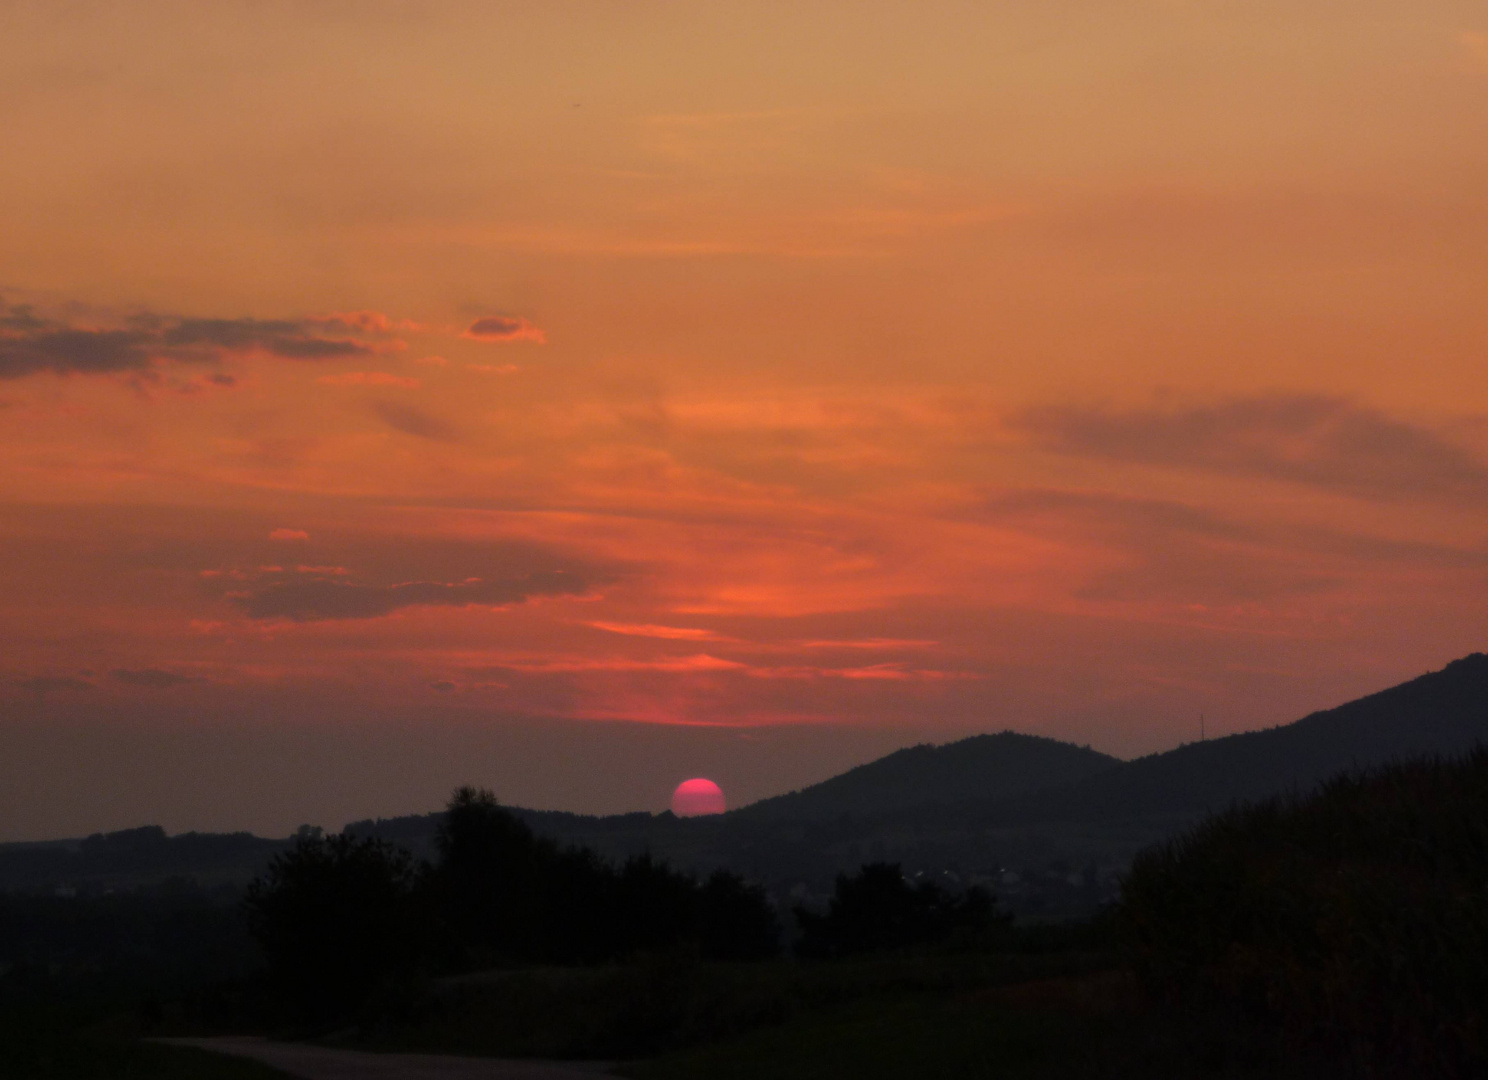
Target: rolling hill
1001	766
1443	713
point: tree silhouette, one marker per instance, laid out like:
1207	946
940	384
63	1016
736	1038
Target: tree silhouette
735	921
487	884
335	918
340	917
505	895
878	908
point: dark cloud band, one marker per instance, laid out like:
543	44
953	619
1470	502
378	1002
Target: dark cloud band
30	344
505	328
311	599
151	678
415	422
1321	441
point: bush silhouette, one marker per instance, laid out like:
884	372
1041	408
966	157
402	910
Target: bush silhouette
879	909
734	920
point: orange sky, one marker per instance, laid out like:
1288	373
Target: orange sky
577	397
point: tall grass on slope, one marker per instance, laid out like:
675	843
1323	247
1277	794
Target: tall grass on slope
1355	918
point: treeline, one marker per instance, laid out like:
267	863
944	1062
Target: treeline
342	919
1353	921
140	947
132	859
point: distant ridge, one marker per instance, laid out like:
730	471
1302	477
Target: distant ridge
1024	778
983	767
1443	713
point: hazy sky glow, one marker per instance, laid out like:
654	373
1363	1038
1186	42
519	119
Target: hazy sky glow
577	397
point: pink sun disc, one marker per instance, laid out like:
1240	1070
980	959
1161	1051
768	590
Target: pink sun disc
697	796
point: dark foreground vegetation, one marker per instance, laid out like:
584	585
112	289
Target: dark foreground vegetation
1337	935
1354	920
349	924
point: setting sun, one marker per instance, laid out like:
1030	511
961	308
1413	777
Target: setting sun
697	796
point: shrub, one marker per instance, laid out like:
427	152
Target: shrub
734	920
879	909
1355	919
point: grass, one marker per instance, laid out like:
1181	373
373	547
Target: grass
36	1045
1040	1007
1063	1033
665	1002
930	1040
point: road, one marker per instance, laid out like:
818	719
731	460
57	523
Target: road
323	1063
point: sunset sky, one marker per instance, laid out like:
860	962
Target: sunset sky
576	397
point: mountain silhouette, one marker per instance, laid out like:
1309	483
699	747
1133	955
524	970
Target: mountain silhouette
1440	714
1001	766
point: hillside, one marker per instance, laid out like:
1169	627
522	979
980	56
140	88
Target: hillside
983	767
1443	713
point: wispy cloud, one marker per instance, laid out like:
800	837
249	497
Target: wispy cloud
698	662
1159	552
892	671
152	678
1322	441
415	422
501	328
710	664
669	633
872	644
367	322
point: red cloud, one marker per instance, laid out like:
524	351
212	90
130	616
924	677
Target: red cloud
289	534
673	633
502	328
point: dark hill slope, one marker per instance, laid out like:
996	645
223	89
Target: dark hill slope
978	769
1444	713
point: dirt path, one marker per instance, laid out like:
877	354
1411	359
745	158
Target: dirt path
323	1063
